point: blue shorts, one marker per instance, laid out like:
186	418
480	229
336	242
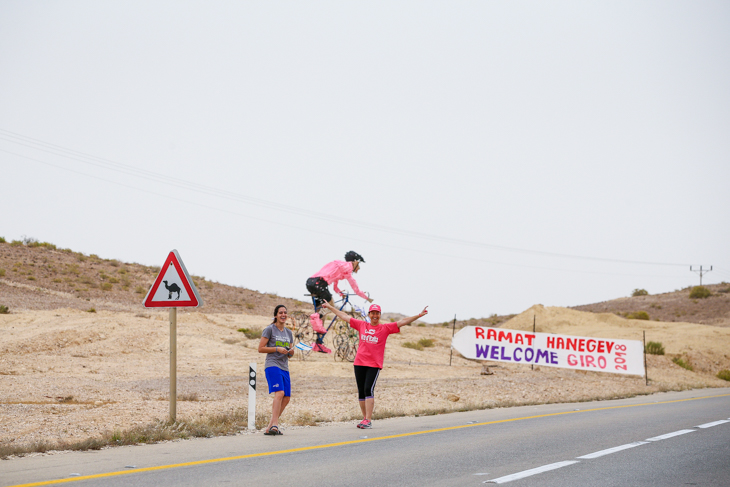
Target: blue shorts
278	380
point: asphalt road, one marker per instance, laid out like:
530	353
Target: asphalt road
664	439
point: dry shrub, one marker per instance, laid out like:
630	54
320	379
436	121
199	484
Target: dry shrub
683	363
251	334
305	418
655	348
638	315
699	292
215	425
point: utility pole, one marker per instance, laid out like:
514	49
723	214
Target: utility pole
701	272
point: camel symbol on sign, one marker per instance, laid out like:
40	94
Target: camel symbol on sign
173	288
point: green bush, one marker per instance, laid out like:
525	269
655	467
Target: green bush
655	348
250	334
425	342
684	364
640	292
106	286
638	315
4	309
699	292
91	310
2	240
414	346
724	375
2	272
139	290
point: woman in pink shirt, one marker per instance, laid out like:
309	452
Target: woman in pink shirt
370	353
318	287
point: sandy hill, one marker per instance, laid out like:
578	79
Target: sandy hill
673	307
37	275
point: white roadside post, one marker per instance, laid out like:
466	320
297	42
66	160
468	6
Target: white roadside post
178	291
252	396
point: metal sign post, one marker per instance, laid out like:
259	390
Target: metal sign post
453	331
173	364
173	289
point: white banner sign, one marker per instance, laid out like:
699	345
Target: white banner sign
570	352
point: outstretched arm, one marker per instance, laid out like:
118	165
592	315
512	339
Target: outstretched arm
408	321
343	316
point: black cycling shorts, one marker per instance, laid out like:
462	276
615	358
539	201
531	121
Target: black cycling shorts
319	289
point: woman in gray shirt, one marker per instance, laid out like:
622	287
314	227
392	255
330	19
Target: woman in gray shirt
276	343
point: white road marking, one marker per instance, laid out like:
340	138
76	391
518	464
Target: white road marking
669	435
709	425
613	450
528	473
608	451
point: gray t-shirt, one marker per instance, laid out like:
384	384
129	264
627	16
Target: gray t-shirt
277	338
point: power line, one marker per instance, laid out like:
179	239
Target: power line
320	232
88	159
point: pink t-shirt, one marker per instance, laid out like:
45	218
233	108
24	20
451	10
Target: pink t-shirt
371	350
336	271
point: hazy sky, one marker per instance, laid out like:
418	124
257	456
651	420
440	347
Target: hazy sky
482	156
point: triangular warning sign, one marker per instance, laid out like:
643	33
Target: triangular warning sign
173	287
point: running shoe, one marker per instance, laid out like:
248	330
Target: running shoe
359	425
365	425
316	322
319	347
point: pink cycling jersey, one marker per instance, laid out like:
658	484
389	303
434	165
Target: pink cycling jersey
336	271
371	350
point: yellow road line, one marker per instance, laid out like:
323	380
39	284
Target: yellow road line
331	445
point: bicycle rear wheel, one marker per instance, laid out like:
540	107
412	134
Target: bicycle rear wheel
302	331
339	345
353	342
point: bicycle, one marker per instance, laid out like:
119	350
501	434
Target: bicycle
345	340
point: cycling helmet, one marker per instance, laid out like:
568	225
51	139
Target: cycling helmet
352	256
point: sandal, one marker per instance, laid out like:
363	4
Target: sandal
273	431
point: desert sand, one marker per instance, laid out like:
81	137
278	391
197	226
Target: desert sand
69	375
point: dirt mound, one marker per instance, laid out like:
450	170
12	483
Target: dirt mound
38	276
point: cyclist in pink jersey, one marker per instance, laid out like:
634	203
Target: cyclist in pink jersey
318	286
371	353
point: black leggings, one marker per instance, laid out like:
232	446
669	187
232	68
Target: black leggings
366	378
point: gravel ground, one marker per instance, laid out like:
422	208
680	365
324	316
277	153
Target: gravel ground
68	375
